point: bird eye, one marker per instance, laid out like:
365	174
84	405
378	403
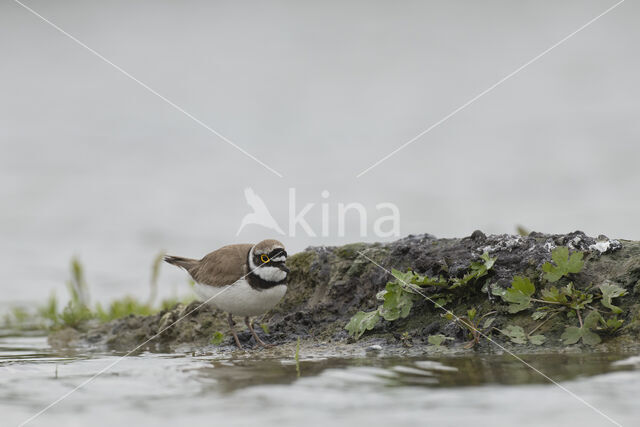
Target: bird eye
265	258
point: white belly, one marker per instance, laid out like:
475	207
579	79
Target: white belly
240	298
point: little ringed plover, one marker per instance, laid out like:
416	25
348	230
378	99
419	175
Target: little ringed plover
244	279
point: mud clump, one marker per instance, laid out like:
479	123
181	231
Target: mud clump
328	285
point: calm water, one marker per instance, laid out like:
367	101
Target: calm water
213	388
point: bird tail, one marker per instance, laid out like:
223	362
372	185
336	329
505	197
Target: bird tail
186	263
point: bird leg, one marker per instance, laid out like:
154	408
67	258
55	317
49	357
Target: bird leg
255	336
233	331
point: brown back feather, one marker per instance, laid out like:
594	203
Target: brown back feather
219	268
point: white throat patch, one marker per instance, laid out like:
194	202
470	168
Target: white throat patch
271	274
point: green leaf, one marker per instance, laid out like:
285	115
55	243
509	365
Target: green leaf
429	281
440	300
522	284
554	295
361	322
488	261
610	291
265	328
519	294
488	323
397	302
613	323
437	339
472	313
537	339
573	334
589	337
217	338
478	270
579	299
564	264
404	278
592	319
515	333
537	315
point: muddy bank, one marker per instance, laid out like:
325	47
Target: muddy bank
328	285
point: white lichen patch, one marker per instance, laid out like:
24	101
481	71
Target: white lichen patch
575	243
549	245
604	246
505	242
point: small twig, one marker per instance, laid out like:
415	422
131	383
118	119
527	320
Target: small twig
579	317
546	302
488	314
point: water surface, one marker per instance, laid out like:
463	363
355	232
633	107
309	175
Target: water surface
211	387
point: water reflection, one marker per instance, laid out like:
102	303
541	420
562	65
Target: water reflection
153	388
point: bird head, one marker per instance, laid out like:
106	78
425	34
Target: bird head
267	260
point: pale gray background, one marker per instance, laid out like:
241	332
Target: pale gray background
94	165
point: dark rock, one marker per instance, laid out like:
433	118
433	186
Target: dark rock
478	236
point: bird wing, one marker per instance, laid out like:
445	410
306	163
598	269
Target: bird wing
223	266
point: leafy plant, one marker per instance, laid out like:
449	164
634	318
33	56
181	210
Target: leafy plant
521	297
517	335
73	315
567	299
398	300
610	291
49	311
122	308
217	338
406	339
573	334
612	324
77	311
565	264
519	294
399	295
471	322
478	269
361	322
77	285
437	340
554	296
